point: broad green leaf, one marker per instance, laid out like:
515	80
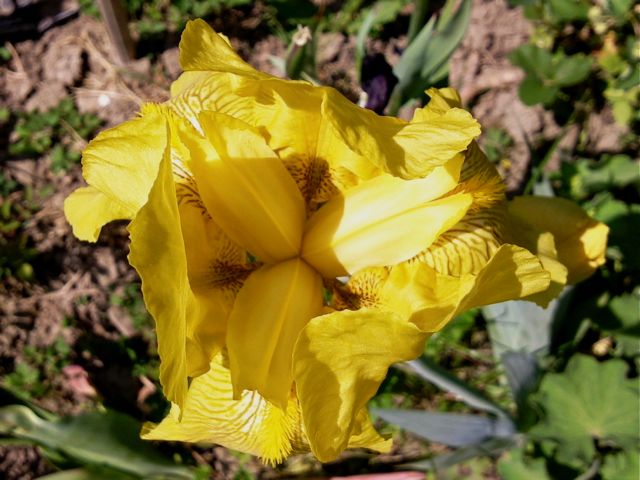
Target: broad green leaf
513	466
621	466
110	440
569	10
532	90
535	61
589	402
453	429
624	221
570	70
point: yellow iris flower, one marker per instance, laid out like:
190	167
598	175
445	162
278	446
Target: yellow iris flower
292	246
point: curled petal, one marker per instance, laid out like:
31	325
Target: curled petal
158	254
202	49
88	209
431	299
405	149
340	360
580	241
120	165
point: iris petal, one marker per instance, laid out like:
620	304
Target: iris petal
383	221
340	360
157	253
579	240
274	304
246	188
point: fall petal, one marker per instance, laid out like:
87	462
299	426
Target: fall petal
211	414
157	253
340	360
271	309
579	240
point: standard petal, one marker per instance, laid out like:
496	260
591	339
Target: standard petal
340	360
211	414
274	304
383	221
431	299
88	209
246	188
580	241
405	149
202	49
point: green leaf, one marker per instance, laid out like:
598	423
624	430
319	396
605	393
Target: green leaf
569	10
108	440
513	466
589	402
87	474
432	373
535	61
532	91
621	466
425	56
624	221
453	429
489	447
570	70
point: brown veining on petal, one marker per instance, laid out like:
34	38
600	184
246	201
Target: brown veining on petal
228	275
361	291
187	193
313	178
480	178
469	245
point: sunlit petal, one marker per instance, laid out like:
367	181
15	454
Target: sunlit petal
340	360
579	240
383	221
275	303
211	414
246	188
158	254
88	209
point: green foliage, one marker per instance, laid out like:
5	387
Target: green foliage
56	130
34	373
586	177
574	43
154	17
107	444
17	206
495	144
547	73
425	62
589	406
514	466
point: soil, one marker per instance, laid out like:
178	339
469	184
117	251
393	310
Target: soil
71	295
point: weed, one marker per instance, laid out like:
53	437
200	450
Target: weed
58	130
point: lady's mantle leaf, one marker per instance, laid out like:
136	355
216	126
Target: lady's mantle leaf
589	403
